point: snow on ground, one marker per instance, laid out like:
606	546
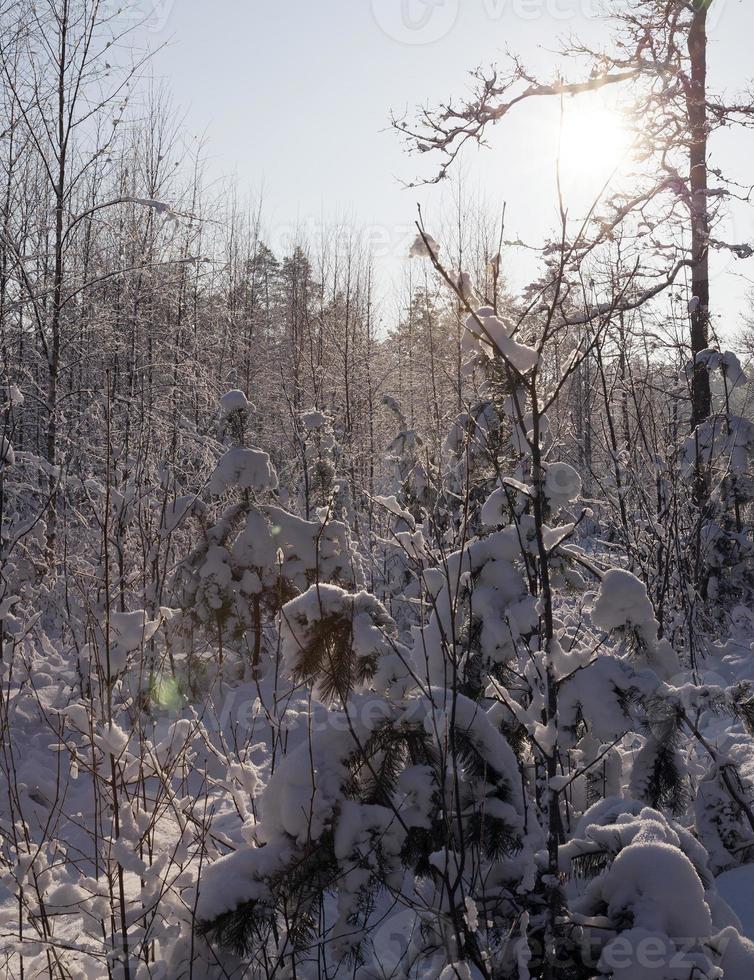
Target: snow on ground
736	887
200	770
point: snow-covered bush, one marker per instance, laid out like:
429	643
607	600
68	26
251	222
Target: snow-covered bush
324	487
460	689
336	641
256	556
645	901
720	453
372	805
448	764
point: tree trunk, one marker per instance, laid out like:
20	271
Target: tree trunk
696	95
57	299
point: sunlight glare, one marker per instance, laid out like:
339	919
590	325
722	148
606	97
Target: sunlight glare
594	142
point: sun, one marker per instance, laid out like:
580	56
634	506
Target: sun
594	142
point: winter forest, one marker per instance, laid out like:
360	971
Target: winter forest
365	629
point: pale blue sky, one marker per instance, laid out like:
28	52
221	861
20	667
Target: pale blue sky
295	96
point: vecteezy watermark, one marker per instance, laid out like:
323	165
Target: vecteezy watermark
380	241
398	941
427	21
153	15
416	21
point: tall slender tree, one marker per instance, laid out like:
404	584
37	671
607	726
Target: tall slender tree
656	57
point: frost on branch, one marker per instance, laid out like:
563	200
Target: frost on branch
485	331
424	247
7	456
